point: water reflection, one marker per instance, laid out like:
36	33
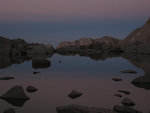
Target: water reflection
37	61
94	55
41	63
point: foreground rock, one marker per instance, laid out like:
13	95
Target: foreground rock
74	94
15	96
31	89
9	110
82	109
125	109
127	102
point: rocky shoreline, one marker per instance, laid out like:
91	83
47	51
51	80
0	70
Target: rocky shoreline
137	42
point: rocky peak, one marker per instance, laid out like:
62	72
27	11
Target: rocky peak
141	35
148	22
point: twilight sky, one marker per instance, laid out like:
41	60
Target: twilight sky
53	21
60	10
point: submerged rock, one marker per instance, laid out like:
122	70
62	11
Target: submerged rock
35	72
74	94
9	110
125	92
82	109
6	78
129	71
116	79
128	102
118	95
15	96
125	109
31	89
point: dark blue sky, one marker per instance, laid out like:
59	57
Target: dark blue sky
55	32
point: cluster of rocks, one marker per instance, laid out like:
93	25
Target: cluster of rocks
137	41
19	47
88	45
127	107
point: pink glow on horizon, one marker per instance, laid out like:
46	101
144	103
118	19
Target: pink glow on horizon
73	9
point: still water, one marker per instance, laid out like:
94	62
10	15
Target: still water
91	77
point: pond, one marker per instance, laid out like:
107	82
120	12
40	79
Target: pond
91	77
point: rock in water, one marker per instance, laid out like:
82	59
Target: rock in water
9	110
125	92
128	71
31	89
142	82
15	92
35	72
82	109
6	78
125	109
74	94
15	96
118	95
128	102
116	79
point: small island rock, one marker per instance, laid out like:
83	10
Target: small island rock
31	89
74	94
